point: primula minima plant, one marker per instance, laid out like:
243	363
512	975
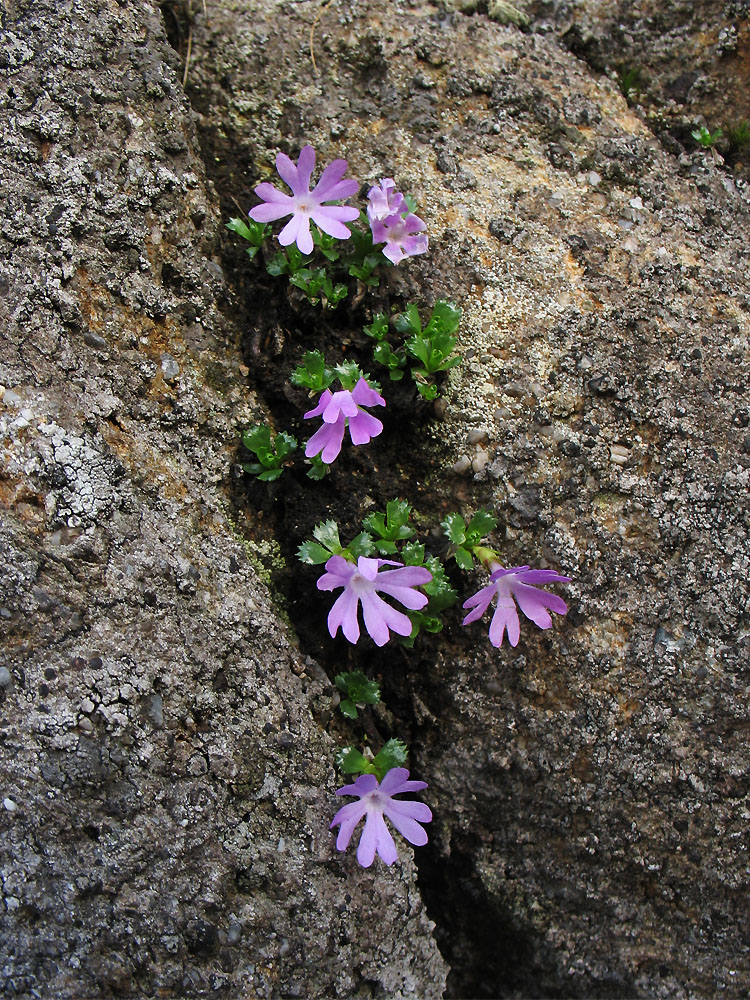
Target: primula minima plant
511	586
362	584
392	222
328	252
305	205
340	410
376	800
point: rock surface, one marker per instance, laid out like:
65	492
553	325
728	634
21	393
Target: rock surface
167	753
167	773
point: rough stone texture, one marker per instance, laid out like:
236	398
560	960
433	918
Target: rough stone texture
591	785
692	56
166	746
166	771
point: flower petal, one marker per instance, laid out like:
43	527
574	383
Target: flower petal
340	404
408	827
376	837
505	616
363	427
480	602
412	599
331	226
348	817
395	782
365	395
534	604
305	167
326	441
396	776
541	576
368	567
414	810
380	617
407	576
270	212
368	842
332	448
394	253
272	194
290	233
414	245
344	614
288	172
338	573
330	179
324	400
365	783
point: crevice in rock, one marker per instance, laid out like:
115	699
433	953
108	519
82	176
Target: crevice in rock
490	955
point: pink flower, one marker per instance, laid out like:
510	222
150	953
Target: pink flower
510	584
339	409
375	801
385	200
403	236
392	223
361	583
304	204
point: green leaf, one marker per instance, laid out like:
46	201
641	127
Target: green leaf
480	525
327	534
413	554
358	688
313	554
361	545
348	708
277	265
391	526
325	243
335	296
464	558
445	319
349	374
284	444
257	437
350	761
318	469
455	528
428	392
393	360
393	754
270	454
439	590
378	329
253	232
386	548
312	373
408	322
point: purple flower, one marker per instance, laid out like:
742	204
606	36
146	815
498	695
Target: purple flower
514	583
304	204
392	223
338	409
375	801
362	583
403	236
385	200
